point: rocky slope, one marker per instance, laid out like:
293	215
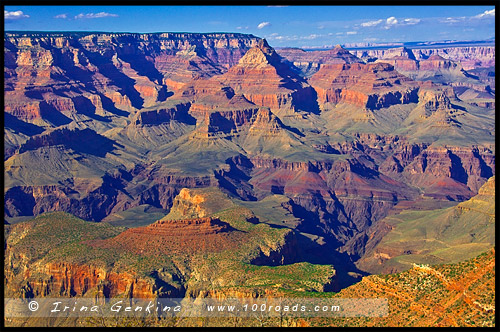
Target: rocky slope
431	236
460	294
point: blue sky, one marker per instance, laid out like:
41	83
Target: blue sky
297	26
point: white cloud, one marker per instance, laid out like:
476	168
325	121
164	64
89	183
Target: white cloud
371	23
391	21
242	28
467	19
351	33
263	25
95	15
14	15
311	36
411	21
486	14
452	20
64	16
294	37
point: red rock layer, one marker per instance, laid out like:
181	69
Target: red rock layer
372	86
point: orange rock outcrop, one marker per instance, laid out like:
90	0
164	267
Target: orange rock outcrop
175	237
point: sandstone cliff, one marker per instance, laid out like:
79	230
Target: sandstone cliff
265	80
